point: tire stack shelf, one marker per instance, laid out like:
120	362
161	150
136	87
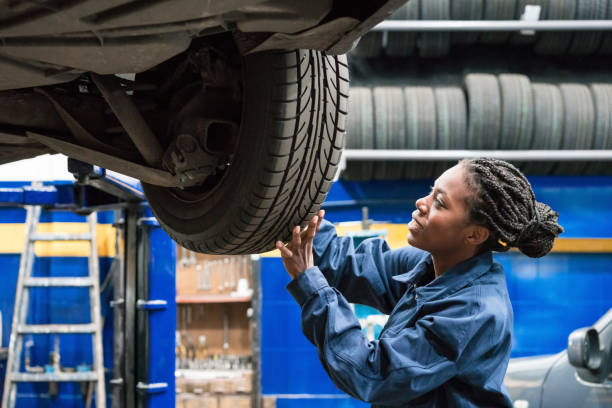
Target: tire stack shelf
483	90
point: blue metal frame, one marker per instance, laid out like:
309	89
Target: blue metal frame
57	305
106	190
160	311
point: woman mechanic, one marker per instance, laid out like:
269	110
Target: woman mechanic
448	337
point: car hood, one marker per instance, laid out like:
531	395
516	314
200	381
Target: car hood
525	377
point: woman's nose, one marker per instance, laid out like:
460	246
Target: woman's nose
421	205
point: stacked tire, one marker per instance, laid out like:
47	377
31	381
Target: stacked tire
486	112
438	44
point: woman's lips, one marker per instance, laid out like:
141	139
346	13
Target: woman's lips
415	224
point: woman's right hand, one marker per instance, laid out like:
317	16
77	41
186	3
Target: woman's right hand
297	254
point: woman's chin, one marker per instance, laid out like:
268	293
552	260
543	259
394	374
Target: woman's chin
411	240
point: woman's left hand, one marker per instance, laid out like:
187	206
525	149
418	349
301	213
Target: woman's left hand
297	254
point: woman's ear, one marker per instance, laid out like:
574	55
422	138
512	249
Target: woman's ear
476	235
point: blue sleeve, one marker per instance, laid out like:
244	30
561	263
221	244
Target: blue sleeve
394	369
363	275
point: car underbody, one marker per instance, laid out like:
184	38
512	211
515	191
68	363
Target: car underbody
164	91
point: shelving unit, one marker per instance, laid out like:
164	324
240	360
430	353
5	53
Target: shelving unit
215	358
200	299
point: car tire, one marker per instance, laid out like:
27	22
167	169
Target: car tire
579	125
291	139
606	42
497	10
390	128
547	124
556	43
359	134
420	105
403	44
586	43
484	107
466	10
434	45
602	140
451	113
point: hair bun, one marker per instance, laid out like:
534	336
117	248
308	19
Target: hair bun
538	236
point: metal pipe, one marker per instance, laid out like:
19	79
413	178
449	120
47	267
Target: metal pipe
518	155
118	303
494	25
129	331
130	118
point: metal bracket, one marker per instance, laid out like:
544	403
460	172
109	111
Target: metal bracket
116	382
148	221
187	158
117	302
130	118
151	305
82	135
147	174
152	388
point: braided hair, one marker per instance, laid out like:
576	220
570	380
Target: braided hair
504	202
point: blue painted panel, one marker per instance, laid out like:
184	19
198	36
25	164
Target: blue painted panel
286	354
162	323
11	215
294	372
10	266
281	327
320	403
14	215
553	295
274	278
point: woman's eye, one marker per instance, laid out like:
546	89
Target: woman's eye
438	203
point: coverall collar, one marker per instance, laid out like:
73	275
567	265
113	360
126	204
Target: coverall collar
457	277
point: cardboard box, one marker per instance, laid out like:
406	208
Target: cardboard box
180	386
192	385
269	402
200	386
234	401
243	384
221	386
198	401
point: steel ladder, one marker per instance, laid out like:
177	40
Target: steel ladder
19	327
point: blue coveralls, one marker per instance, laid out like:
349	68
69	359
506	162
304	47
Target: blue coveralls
447	341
